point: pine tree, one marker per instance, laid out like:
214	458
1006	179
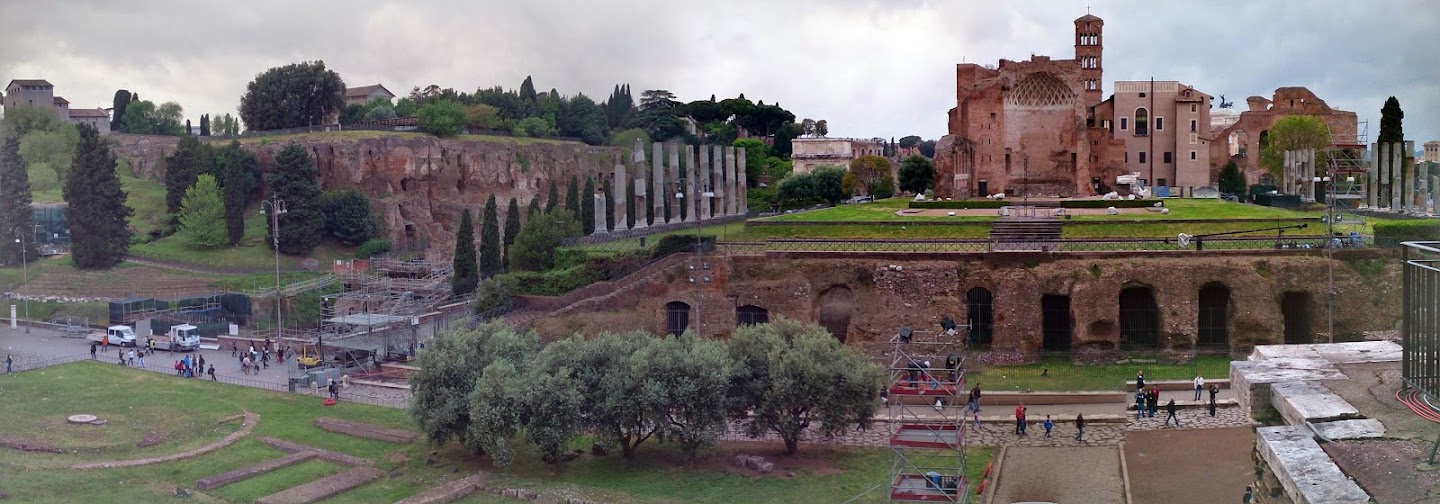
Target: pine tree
99	233
552	198
630	204
1231	181
512	227
202	214
587	206
467	276
296	181
533	209
15	211
490	239
572	198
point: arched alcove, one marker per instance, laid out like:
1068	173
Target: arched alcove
1213	328
837	303
677	317
1139	318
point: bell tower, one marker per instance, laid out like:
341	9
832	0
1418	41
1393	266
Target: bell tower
1088	49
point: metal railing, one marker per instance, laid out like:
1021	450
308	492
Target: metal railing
1057	245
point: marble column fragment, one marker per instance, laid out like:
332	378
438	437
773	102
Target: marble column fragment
617	195
672	182
691	193
729	179
717	182
705	182
1372	182
742	182
599	202
1397	179
657	184
1411	188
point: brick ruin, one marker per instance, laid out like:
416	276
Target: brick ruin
1022	303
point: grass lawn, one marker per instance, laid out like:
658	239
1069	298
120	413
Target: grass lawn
182	414
252	253
1065	376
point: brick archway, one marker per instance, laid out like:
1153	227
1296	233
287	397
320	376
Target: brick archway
837	303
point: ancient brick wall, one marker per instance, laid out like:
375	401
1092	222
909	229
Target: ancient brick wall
888	294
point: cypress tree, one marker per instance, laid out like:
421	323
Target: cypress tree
234	165
1391	122
99	233
15	211
572	198
609	205
296	181
490	240
181	169
188	131
552	198
467	275
533	209
512	227
587	206
121	100
630	204
205	125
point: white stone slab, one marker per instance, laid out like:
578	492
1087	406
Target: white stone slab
1284	369
1308	401
1335	353
1351	429
1304	470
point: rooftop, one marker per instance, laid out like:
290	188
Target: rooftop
89	113
30	82
363	91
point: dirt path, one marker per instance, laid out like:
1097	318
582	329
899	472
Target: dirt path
1076	475
1189	466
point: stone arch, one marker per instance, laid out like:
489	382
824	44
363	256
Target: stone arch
1213	326
1139	317
1297	311
837	304
1040	90
980	315
1238	142
677	317
751	314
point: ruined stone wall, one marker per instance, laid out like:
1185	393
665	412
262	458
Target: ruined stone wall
1262	116
419	184
920	292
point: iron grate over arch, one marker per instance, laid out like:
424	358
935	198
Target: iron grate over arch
1139	318
677	317
1213	328
751	314
979	309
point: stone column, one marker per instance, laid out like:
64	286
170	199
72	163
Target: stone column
1310	172
639	186
657	183
743	184
1435	194
729	180
704	182
672	182
1411	188
717	182
1397	176
599	202
691	188
617	195
1287	170
1372	181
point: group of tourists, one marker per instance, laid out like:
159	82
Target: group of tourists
194	367
253	360
1021	423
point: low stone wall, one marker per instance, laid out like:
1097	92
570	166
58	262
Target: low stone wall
1305	474
245	473
324	488
320	453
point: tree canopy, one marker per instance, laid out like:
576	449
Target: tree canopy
202	215
467	271
99	232
534	248
1231	180
348	217
490	253
1294	132
290	96
443	118
873	172
15	209
296	181
146	118
917	174
1392	122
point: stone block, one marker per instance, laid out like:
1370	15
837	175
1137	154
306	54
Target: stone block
1364	428
1306	473
1300	402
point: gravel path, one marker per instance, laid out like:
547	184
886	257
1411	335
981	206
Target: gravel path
1072	475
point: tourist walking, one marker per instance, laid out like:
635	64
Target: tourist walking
92	350
1048	425
1079	426
142	359
234	349
1020	419
9	364
1170	414
200	369
1249	496
212	372
975	399
265	359
150	343
1154	400
105	343
334	389
1140	379
1199	386
1214	390
1140	397
131	358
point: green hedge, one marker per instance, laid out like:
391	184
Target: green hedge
995	204
573	271
1407	230
682	243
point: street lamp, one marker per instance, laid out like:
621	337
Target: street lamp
703	266
277	208
24	272
1330	243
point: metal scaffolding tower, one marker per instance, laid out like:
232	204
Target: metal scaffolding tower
926	399
1347	161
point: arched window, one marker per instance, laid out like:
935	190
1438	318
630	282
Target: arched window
979	315
1139	318
751	314
1142	122
677	317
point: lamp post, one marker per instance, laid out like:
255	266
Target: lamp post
1330	243
24	272
277	208
699	263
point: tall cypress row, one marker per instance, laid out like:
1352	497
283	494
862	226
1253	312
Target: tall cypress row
99	231
467	275
587	205
512	228
490	240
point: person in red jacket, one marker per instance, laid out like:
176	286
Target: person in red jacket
1020	419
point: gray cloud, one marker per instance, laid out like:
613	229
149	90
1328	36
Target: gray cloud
871	67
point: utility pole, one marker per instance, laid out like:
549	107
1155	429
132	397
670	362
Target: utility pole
24	272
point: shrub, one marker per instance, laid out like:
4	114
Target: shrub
681	243
347	216
539	238
373	247
1109	203
442	118
1407	230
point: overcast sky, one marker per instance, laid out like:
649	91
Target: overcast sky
871	67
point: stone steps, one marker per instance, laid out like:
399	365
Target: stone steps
324	488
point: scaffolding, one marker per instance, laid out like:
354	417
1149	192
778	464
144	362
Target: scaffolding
926	399
378	301
1347	159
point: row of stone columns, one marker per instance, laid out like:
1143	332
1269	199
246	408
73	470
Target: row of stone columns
1391	188
1300	173
717	169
